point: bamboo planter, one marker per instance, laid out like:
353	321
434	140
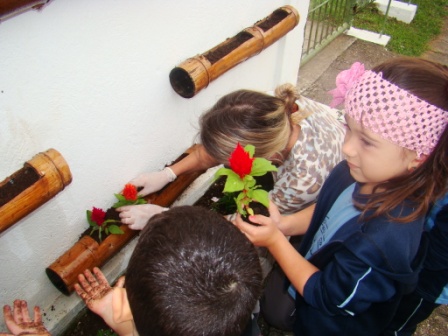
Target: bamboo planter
87	253
194	74
40	179
9	8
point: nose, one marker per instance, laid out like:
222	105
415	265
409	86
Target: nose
348	148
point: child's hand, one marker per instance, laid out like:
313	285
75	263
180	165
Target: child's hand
268	230
96	292
98	295
20	323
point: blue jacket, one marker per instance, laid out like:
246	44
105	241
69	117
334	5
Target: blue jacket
364	268
433	282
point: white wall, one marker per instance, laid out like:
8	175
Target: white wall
90	79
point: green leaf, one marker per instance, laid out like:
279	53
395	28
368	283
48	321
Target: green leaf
233	183
240	208
222	171
250	211
250	149
89	218
122	201
141	201
120	197
261	196
119	204
249	182
261	166
115	229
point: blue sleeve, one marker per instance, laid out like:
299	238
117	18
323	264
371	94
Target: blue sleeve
433	281
437	257
347	285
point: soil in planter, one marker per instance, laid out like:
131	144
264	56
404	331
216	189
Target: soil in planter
111	213
89	324
17	183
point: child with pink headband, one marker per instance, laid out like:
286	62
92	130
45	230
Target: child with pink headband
362	248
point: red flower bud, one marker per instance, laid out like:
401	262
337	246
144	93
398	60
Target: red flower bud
240	161
98	216
130	192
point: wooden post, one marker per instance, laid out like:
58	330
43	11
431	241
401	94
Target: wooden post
88	253
45	175
194	74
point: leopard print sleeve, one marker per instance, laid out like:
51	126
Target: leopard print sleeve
317	150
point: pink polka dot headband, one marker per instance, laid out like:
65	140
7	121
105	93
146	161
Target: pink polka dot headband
389	111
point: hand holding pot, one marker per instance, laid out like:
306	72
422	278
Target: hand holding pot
137	216
153	181
19	321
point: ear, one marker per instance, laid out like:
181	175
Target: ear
121	309
416	162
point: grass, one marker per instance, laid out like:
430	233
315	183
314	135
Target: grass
410	39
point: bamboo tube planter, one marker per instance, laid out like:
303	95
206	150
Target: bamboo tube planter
40	179
87	253
194	74
10	8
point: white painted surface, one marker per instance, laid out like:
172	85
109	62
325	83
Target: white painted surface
90	79
369	36
402	11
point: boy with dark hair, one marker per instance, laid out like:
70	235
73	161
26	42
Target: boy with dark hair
191	273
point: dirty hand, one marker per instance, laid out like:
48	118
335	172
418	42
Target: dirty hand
154	181
95	291
20	323
137	216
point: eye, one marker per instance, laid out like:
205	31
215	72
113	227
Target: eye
366	142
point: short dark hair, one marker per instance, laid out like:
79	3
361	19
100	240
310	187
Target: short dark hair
192	273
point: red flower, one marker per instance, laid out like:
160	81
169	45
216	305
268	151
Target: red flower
130	192
240	161
98	216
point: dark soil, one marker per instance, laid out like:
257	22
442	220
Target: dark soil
88	324
15	184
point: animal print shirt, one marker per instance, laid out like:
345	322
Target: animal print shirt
317	150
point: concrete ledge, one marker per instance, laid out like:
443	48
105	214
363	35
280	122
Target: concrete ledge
400	10
368	36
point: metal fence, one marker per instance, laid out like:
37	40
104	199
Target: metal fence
326	20
329	18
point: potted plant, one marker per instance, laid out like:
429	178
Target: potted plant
240	179
108	221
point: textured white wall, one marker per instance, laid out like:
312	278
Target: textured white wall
90	79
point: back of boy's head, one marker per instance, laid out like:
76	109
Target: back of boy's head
192	273
248	117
